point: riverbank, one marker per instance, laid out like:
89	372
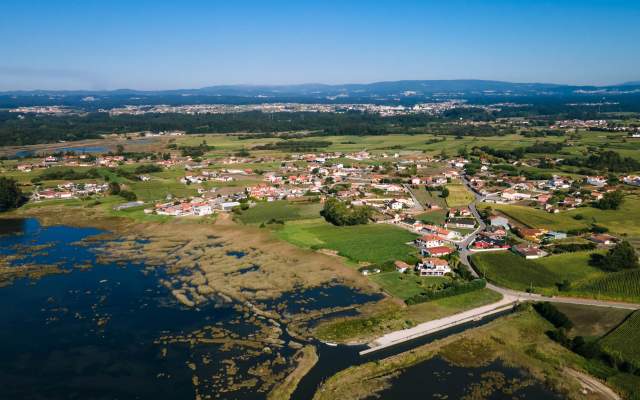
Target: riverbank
518	340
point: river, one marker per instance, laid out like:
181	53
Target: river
96	329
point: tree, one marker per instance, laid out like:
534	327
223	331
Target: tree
338	213
10	194
114	188
610	201
622	256
445	193
119	149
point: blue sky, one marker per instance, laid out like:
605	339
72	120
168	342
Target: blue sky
89	44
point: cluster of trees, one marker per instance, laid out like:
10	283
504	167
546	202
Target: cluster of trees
148	169
66	174
622	256
549	312
196	151
606	160
295	145
610	201
519	152
591	350
571	247
339	213
10	194
116	190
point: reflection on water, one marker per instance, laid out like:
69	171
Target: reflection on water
438	379
111	331
106	331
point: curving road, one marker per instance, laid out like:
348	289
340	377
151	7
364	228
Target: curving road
510	298
523	296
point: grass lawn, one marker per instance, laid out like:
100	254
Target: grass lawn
459	196
375	243
436	217
406	285
512	271
280	210
155	190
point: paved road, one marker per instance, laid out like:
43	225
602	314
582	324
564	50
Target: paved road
524	296
510	297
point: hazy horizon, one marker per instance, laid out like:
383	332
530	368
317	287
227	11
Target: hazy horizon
147	45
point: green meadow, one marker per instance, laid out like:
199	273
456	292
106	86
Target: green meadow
373	243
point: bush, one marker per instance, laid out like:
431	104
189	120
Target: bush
128	195
622	256
337	213
610	201
549	312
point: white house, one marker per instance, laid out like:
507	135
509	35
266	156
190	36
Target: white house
429	241
432	266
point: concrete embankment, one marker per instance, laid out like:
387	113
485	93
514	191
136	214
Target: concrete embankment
426	328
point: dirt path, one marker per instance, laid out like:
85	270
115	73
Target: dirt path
593	387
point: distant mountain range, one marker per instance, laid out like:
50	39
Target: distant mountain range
407	91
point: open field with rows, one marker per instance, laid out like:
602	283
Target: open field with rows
624	341
623	285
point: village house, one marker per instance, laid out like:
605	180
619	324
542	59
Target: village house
401	266
596	180
497	220
429	241
529	252
439	251
432	266
603	239
531	234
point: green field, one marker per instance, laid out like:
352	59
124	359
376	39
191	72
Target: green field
513	271
624	341
436	217
280	210
459	196
622	221
592	322
623	285
375	243
405	286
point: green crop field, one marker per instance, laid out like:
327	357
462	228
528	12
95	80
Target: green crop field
623	285
459	196
280	210
624	341
510	270
375	243
406	285
437	217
